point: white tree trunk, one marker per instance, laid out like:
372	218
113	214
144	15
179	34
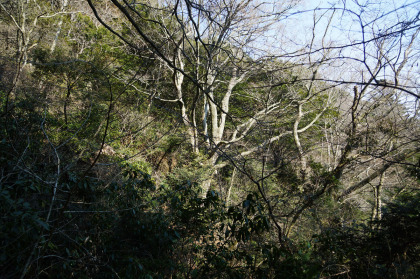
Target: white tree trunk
60	24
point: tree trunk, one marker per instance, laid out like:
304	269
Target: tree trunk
60	24
206	185
230	187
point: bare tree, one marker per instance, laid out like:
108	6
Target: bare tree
352	62
377	128
211	47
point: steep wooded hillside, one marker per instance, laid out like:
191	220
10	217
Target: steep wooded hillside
209	139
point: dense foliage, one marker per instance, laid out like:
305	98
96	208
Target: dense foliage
153	140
